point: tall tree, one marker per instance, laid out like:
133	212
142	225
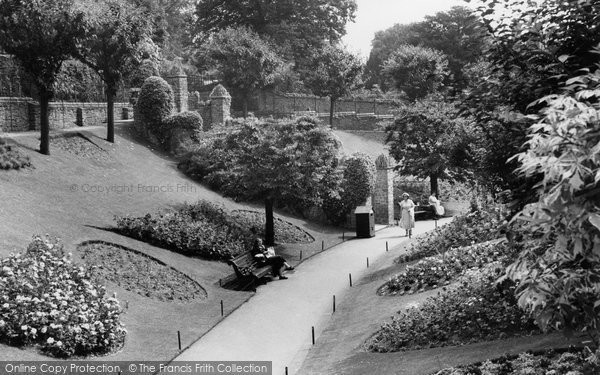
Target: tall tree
41	34
333	72
111	46
428	139
458	33
286	162
246	61
297	26
417	71
530	51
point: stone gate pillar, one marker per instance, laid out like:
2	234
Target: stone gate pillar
220	105
383	196
180	91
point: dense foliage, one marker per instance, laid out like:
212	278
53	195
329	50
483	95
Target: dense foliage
288	162
185	120
474	227
203	230
41	34
574	361
154	106
416	71
441	269
356	185
46	300
11	158
476	309
332	72
457	33
558	271
247	62
430	139
299	28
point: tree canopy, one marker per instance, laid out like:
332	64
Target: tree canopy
297	27
246	61
429	139
41	34
458	33
112	45
333	72
416	71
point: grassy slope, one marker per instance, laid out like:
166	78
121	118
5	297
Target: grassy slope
42	200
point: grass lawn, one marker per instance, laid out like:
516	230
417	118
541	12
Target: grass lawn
75	193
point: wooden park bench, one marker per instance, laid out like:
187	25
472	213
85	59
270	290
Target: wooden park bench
248	270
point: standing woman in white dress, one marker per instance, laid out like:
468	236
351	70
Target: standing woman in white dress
407	214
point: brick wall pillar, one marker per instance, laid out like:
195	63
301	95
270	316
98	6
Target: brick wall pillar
383	196
220	105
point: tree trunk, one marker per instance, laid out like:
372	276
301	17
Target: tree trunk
44	121
433	183
269	223
110	112
331	108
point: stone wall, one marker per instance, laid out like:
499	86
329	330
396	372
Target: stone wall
23	114
277	103
356	122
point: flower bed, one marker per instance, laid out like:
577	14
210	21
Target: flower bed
476	309
139	273
285	232
206	230
468	229
572	362
203	229
46	300
440	269
11	158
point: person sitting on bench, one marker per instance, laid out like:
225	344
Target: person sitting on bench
436	205
267	256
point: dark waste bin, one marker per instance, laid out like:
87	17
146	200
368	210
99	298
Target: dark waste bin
365	222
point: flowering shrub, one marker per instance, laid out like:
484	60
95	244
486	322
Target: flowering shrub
11	158
571	362
437	270
203	229
285	232
477	309
46	300
474	227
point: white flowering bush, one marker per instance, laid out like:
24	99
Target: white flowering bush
48	301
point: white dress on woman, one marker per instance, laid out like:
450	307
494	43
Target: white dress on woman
407	214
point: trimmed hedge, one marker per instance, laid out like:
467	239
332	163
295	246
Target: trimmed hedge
154	106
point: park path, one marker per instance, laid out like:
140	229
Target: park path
275	324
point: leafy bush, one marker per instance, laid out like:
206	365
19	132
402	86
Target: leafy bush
357	185
202	229
572	362
477	309
147	68
48	301
438	270
154	106
474	227
185	120
11	158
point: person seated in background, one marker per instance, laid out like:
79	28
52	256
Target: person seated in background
264	255
436	205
